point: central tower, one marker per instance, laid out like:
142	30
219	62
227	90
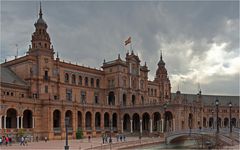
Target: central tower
41	41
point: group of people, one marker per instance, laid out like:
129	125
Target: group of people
121	137
5	140
108	139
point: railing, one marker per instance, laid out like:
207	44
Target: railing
98	128
107	128
70	129
114	128
46	78
57	130
88	128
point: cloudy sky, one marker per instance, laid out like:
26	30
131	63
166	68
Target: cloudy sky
200	40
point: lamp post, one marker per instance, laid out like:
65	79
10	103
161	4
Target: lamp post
230	108
217	103
165	121
66	147
213	119
110	138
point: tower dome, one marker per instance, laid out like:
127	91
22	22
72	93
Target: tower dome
40	21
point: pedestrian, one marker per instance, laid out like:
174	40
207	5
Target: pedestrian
89	138
22	141
45	138
103	138
7	140
106	138
0	141
121	138
37	138
117	136
10	141
110	139
25	141
124	138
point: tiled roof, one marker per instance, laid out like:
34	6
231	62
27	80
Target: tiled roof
210	99
8	76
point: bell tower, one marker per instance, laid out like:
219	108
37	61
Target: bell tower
163	81
41	42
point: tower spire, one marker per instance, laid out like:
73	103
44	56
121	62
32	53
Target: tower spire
40	11
160	54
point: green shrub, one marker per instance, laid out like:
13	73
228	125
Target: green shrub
79	134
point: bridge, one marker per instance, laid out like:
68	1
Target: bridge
206	133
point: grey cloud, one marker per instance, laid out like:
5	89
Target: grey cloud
88	32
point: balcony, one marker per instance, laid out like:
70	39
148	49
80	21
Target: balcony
88	128
57	130
70	129
107	128
46	78
98	128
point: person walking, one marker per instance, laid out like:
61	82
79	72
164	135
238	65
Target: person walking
0	141
45	139
7	140
89	138
22	141
10	141
103	138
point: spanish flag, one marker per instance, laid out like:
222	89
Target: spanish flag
128	41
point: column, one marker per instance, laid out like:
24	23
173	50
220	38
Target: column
21	122
162	125
0	122
17	122
174	125
150	125
130	82
33	122
5	121
130	70
140	125
122	125
131	126
139	84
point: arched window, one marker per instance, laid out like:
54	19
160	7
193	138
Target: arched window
124	100
97	83
92	82
66	77
86	81
111	98
80	80
142	84
73	79
133	100
142	99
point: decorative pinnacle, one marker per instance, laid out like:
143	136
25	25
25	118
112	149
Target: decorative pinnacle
40	11
161	55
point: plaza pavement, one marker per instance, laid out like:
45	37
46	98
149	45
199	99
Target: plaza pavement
95	143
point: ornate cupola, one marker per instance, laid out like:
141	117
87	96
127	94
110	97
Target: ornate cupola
40	38
161	72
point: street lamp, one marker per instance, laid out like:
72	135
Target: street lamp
165	121
66	147
213	119
110	138
230	107
217	103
